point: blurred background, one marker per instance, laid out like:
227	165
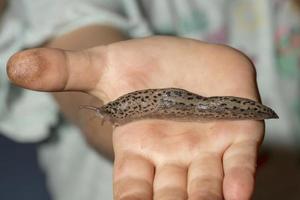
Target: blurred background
20	174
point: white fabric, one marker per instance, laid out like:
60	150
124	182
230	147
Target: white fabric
75	171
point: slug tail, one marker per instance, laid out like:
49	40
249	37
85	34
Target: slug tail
273	114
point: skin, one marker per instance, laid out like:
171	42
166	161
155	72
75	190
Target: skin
181	105
157	159
98	136
2	5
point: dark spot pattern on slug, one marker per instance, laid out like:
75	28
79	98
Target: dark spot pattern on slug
182	105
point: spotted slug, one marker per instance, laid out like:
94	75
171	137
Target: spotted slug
180	105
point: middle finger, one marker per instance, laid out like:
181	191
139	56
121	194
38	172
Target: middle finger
170	182
205	176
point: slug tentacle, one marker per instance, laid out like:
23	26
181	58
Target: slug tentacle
106	116
93	108
180	105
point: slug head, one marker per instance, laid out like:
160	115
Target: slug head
100	111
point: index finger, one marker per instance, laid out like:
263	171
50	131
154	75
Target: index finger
49	69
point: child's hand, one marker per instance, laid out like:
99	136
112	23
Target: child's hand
157	159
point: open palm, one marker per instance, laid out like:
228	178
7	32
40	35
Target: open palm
158	159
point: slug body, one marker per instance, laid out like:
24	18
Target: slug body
180	105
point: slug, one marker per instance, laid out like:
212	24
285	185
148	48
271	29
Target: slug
180	105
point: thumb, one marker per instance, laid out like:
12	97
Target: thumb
48	69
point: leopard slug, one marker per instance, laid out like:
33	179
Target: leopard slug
180	105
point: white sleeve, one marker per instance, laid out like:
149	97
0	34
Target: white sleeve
48	19
30	117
